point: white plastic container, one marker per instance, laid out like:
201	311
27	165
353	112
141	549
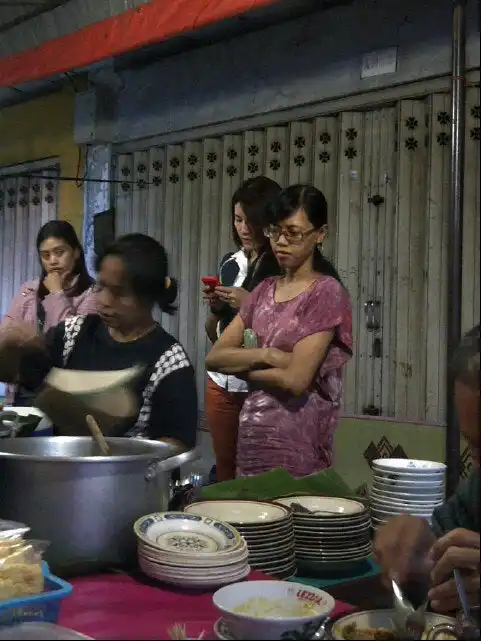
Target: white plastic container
47	631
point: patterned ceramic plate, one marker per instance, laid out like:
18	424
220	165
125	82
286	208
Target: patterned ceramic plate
195	582
186	534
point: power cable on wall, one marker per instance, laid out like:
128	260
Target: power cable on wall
76	179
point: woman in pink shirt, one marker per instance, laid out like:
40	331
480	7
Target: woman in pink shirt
64	288
290	341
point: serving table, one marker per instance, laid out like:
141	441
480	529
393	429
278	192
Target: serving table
130	606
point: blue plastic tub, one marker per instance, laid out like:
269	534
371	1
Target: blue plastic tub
42	607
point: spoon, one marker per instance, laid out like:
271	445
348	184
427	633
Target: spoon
97	435
409	621
321	631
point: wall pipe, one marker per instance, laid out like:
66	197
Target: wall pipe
455	246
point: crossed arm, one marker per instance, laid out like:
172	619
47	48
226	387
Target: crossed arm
267	366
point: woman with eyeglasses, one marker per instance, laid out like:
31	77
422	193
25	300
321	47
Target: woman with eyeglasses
290	341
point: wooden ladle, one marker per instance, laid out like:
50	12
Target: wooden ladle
97	435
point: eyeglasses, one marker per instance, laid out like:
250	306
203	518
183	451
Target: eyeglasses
273	232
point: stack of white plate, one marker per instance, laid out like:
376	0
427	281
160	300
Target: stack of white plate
190	550
266	528
330	533
405	486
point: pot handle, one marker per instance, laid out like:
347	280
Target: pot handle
167	465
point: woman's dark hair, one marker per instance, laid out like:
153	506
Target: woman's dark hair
63	230
313	202
254	196
147	269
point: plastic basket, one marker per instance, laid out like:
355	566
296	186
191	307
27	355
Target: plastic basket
41	607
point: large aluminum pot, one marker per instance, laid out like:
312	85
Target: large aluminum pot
84	503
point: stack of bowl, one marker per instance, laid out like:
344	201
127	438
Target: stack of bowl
405	486
266	528
190	551
331	534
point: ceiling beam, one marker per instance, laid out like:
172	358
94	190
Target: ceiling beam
144	25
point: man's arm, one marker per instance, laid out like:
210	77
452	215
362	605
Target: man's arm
461	510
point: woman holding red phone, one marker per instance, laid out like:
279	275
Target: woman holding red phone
239	273
302	325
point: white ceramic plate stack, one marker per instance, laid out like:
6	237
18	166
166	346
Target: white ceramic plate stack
190	551
266	528
405	486
330	533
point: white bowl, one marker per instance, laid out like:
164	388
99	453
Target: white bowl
407	476
385	514
419	482
379	619
240	512
416	498
187	534
403	509
272	625
409	496
410	466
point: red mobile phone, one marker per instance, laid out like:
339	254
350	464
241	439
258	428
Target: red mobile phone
211	281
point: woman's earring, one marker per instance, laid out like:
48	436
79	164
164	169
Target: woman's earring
319	247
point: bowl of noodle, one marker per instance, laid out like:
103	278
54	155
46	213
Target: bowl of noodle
377	625
272	610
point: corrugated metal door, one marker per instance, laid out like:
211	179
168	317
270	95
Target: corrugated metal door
25	205
385	176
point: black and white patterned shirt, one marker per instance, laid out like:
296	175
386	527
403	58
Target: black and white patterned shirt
166	391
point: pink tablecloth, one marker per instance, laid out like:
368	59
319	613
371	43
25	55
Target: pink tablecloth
118	606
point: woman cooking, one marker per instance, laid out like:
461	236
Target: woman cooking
302	323
132	280
64	289
239	273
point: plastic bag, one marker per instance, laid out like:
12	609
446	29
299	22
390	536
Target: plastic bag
21	572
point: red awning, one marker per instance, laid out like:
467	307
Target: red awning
145	25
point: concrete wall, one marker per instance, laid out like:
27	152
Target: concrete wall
304	61
43	128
